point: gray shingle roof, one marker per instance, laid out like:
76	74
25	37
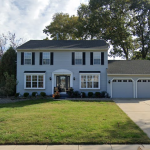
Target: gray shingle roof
128	67
63	44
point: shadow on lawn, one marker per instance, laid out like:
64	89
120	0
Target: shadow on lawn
26	103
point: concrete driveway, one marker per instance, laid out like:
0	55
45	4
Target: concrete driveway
138	110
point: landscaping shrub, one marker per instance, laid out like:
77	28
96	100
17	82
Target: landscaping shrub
70	92
17	95
43	94
83	95
34	94
97	94
90	94
26	94
103	94
76	94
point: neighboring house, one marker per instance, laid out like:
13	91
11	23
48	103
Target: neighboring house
43	65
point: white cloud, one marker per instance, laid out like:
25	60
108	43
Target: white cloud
28	18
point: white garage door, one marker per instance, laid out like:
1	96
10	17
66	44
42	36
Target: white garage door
122	88
143	88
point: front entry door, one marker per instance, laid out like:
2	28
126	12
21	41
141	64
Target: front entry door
63	83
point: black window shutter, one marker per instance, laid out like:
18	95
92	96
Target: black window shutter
91	58
83	58
33	58
41	58
102	58
22	58
73	58
52	57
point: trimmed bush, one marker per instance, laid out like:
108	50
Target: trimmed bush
43	94
26	94
97	94
17	95
103	94
90	94
83	94
34	94
76	94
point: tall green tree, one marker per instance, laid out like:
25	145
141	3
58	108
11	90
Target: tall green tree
141	28
64	26
8	63
114	21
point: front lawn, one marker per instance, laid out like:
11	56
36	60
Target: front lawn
67	122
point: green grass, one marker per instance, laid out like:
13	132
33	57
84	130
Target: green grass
67	122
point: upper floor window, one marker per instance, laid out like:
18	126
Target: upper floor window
46	58
97	58
78	58
27	58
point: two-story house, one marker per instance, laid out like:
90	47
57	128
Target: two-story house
82	65
45	64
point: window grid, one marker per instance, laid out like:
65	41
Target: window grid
34	81
78	58
27	58
97	58
89	81
46	58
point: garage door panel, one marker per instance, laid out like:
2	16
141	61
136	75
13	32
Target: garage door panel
121	89
143	89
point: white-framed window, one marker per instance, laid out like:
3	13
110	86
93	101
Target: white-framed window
90	81
96	58
46	58
34	81
78	58
27	58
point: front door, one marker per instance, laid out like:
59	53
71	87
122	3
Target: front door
63	83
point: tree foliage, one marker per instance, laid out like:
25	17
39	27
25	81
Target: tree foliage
10	83
64	26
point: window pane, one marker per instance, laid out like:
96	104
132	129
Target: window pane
46	58
95	78
28	78
28	84
97	57
40	78
34	78
89	84
28	61
27	57
83	78
78	57
95	84
83	84
34	84
40	85
89	78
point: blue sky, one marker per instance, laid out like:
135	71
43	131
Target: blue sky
28	18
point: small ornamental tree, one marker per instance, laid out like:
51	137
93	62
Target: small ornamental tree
10	83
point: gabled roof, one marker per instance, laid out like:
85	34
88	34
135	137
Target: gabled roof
63	44
128	67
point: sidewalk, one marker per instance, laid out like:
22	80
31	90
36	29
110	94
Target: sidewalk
74	147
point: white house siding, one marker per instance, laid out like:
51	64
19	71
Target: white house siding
62	60
139	90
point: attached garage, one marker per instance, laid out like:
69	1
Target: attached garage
122	88
143	88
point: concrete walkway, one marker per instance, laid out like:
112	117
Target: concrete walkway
74	147
138	110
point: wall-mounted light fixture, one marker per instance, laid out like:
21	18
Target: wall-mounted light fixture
50	78
74	78
109	81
